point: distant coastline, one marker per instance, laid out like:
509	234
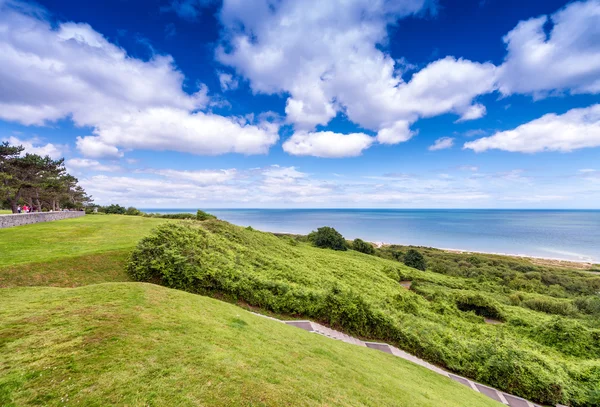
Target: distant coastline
541	235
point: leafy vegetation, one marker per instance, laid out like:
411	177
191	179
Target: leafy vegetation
543	346
139	344
414	259
361	246
328	238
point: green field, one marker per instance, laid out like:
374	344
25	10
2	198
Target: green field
5	211
526	329
72	237
138	344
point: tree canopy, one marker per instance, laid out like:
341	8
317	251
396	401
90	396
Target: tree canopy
328	238
414	259
361	246
40	182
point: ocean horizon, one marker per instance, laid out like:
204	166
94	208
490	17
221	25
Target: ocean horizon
565	234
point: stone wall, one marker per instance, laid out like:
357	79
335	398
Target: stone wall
18	219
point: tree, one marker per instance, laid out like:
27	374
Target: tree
414	259
41	182
361	246
115	209
328	238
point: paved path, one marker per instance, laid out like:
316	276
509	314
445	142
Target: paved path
505	398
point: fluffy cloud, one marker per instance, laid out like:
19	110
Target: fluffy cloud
34	146
578	128
442	143
329	60
203	177
567	58
77	164
227	81
327	144
72	71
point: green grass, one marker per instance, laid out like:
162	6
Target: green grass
547	349
71	271
5	211
47	241
137	344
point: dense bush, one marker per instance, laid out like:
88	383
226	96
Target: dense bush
328	238
414	259
362	246
545	358
480	305
201	215
550	306
131	211
113	209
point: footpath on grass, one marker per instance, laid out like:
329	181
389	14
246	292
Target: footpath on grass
494	394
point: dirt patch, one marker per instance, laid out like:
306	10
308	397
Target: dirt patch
406	284
492	321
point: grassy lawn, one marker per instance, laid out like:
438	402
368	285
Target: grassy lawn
48	241
143	345
5	211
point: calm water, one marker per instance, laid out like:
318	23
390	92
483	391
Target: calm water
563	234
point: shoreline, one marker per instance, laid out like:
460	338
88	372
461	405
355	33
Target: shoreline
539	260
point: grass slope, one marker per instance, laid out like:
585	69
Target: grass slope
547	349
143	345
72	252
72	237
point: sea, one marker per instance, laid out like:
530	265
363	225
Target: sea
555	234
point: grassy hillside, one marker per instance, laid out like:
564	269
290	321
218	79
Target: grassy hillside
541	347
72	237
143	345
72	252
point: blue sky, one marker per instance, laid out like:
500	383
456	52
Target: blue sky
345	103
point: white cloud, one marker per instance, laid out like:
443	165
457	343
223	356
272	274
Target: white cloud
327	56
199	177
96	148
327	144
34	146
72	71
567	58
276	171
227	81
397	133
442	143
91	165
178	130
578	128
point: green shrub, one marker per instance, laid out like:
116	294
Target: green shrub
550	306
113	209
588	305
328	238
201	215
175	216
362	246
414	259
131	211
480	305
